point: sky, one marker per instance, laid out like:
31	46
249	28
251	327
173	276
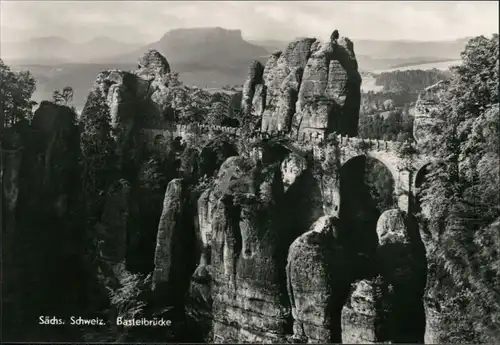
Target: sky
147	21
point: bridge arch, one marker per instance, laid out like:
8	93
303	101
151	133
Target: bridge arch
214	153
366	188
421	173
389	160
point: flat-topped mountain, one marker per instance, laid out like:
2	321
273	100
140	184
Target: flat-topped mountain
203	47
205	57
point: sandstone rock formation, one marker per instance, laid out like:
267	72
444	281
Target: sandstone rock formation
199	297
318	283
387	306
425	107
169	223
174	246
206	206
248	253
231	253
311	86
55	145
254	78
113	225
403	269
11	165
133	95
291	168
361	314
39	212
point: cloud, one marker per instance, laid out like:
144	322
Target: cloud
145	21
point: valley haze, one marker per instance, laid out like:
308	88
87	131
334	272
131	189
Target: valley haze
76	40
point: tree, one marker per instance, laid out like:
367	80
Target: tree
98	150
16	89
217	113
462	191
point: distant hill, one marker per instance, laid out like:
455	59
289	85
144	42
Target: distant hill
77	75
82	76
205	57
56	50
437	50
440	65
270	45
202	48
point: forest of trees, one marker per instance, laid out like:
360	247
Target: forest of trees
400	89
463	194
386	114
396	126
409	81
16	90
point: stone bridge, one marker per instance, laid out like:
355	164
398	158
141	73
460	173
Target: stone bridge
330	152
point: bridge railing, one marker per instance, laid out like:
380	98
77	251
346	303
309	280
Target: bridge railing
313	137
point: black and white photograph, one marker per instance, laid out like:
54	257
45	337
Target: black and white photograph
268	172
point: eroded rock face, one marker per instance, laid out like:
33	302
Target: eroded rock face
169	222
11	166
318	283
153	63
425	108
113	224
199	297
118	89
206	206
41	216
403	270
249	88
330	182
311	86
54	149
388	306
435	332
280	79
361	314
259	100
125	92
174	246
291	168
248	255
10	171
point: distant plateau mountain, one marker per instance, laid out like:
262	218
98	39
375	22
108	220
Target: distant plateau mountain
206	57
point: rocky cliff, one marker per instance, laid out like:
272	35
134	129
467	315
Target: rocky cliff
235	237
318	283
238	209
310	86
425	107
40	210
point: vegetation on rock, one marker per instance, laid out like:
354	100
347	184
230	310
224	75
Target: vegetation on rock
462	191
16	89
124	208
